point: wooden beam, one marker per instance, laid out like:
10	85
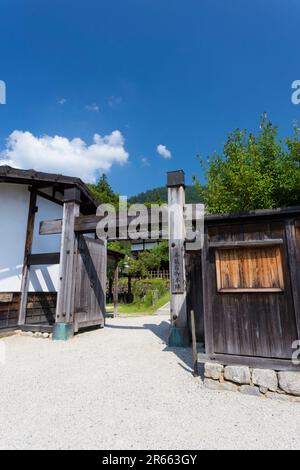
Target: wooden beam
116	290
43	258
121	221
66	290
50	198
27	252
194	344
207	308
293	261
259	213
179	335
251	361
246	243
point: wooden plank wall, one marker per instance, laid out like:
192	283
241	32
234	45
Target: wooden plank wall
194	291
9	311
40	309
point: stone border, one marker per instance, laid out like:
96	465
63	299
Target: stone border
265	383
33	334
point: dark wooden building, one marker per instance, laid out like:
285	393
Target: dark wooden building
244	287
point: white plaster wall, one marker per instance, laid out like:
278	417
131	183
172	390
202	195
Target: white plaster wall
14	203
45	278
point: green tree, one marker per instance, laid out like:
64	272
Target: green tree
103	192
255	171
151	260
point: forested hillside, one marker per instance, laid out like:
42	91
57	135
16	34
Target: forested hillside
159	195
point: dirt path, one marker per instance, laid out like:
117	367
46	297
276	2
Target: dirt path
121	387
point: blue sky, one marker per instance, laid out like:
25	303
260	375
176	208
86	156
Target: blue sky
176	73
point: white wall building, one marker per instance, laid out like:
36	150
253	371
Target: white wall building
16	187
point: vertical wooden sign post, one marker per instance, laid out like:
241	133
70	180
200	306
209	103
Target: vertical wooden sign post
64	319
179	335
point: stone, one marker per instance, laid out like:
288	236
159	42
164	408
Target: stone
45	335
250	390
237	374
225	386
290	382
263	390
213	370
265	378
38	334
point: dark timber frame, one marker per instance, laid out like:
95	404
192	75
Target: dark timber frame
27	253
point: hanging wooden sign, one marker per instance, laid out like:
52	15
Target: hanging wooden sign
177	260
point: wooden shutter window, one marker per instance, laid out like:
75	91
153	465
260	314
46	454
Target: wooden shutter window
249	269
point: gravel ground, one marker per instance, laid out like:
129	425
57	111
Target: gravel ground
122	388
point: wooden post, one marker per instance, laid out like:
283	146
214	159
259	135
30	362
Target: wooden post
64	320
116	290
179	335
194	344
294	268
110	288
27	253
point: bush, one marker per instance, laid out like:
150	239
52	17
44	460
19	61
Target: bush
149	291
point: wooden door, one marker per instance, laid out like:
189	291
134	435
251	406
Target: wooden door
90	286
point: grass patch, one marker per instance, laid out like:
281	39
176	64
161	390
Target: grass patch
139	308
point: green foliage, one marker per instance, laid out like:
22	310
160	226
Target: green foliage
160	196
103	192
148	291
150	260
120	247
255	171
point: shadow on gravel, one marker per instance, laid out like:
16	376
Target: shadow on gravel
184	354
162	331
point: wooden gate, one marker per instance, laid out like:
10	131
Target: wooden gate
90	283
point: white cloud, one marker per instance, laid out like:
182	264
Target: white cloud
61	155
163	151
145	161
92	107
62	101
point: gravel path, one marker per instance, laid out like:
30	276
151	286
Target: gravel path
121	387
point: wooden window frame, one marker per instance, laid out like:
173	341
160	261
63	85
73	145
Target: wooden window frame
219	246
